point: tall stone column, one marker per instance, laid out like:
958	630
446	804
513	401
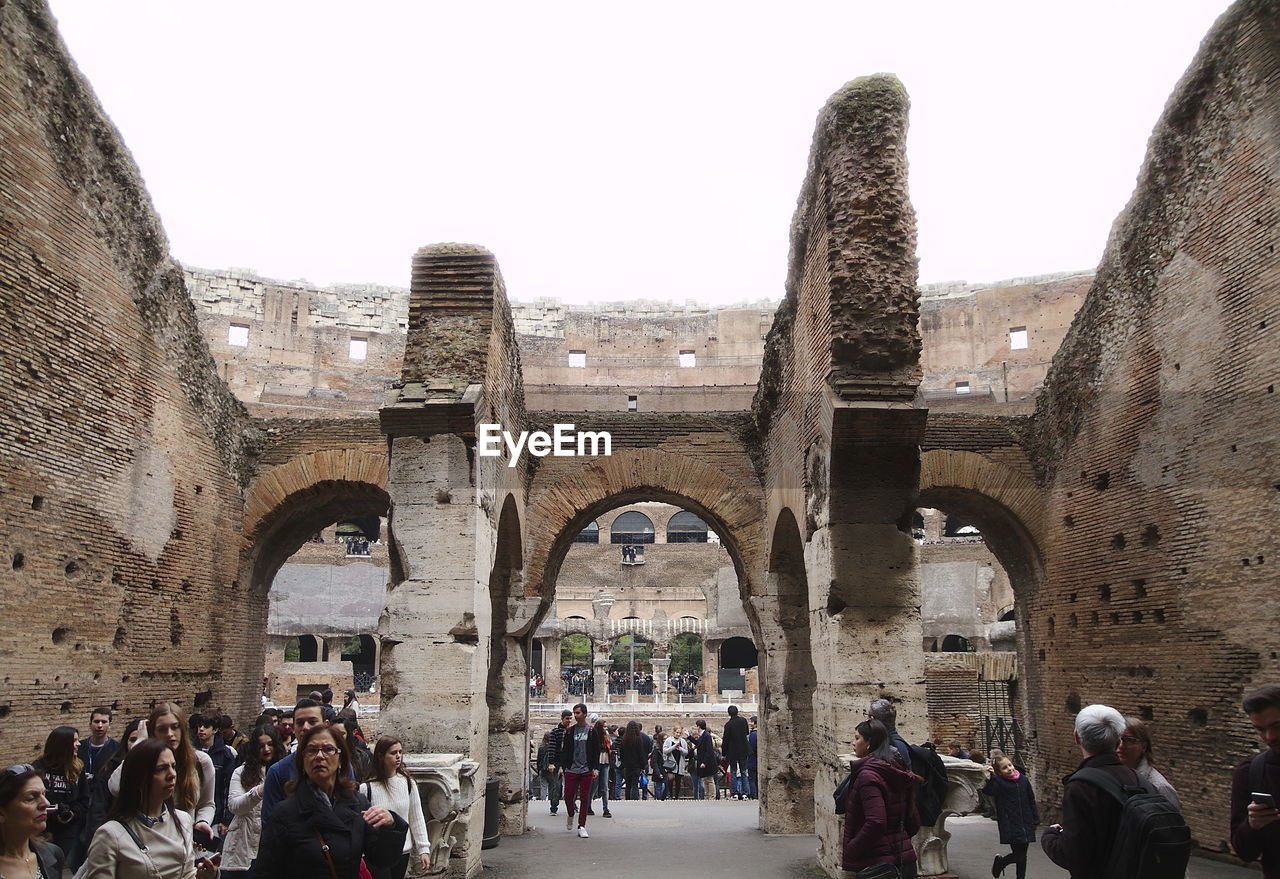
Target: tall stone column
711	669
551	664
436	625
660	669
601	665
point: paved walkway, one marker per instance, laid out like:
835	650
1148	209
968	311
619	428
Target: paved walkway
708	840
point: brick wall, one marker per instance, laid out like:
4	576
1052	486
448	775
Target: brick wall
1156	438
121	454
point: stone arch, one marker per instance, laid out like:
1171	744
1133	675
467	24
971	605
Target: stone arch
290	502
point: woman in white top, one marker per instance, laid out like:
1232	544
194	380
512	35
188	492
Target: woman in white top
675	752
145	837
245	801
391	787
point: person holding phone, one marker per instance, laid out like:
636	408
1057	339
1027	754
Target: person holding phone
1255	822
145	836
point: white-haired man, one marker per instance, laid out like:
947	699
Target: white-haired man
1082	843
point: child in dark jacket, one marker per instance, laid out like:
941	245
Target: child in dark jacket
1015	812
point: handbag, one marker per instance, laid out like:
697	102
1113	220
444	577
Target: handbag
669	764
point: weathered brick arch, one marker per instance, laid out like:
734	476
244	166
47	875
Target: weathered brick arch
996	493
291	501
564	498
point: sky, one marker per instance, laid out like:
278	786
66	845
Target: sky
608	151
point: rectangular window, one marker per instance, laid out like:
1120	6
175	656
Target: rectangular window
688	359
962	387
633	404
1017	338
578	359
358	349
238	335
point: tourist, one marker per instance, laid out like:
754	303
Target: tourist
753	765
23	818
194	792
600	783
134	732
675	753
392	787
65	787
284	726
958	751
707	760
1255	822
326	826
231	737
245	802
306	716
1136	752
879	819
579	761
1082	843
635	748
94	752
144	835
737	748
696	789
327	711
350	705
555	738
656	772
884	711
1016	814
224	762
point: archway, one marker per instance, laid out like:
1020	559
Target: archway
1004	508
738	655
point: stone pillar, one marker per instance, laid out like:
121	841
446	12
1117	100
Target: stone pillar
551	664
435	629
711	669
660	669
601	665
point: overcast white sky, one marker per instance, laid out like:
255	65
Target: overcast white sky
610	151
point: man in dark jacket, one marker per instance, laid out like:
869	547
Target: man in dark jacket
579	762
705	752
1082	843
736	749
1255	826
555	784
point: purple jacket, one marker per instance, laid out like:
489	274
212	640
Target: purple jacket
880	815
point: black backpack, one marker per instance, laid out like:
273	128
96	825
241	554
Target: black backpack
1152	840
931	783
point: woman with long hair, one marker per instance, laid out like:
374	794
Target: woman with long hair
244	799
1137	751
326	826
602	781
23	817
675	753
65	785
134	731
880	812
391	786
634	757
196	781
144	836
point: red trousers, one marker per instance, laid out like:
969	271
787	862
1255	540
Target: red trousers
577	786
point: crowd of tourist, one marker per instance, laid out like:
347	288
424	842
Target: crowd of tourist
583	759
581	682
300	796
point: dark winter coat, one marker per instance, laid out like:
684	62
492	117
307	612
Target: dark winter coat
1016	812
50	858
1251	844
734	745
291	849
706	754
879	816
1090	820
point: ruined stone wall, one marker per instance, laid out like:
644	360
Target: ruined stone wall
122	455
965	330
1156	440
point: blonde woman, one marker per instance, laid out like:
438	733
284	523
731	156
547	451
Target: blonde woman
675	759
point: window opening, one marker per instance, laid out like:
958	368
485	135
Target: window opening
1017	338
358	349
238	335
688	359
578	359
962	387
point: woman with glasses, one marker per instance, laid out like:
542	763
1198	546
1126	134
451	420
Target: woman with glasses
244	799
392	787
144	836
23	817
1135	751
326	825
